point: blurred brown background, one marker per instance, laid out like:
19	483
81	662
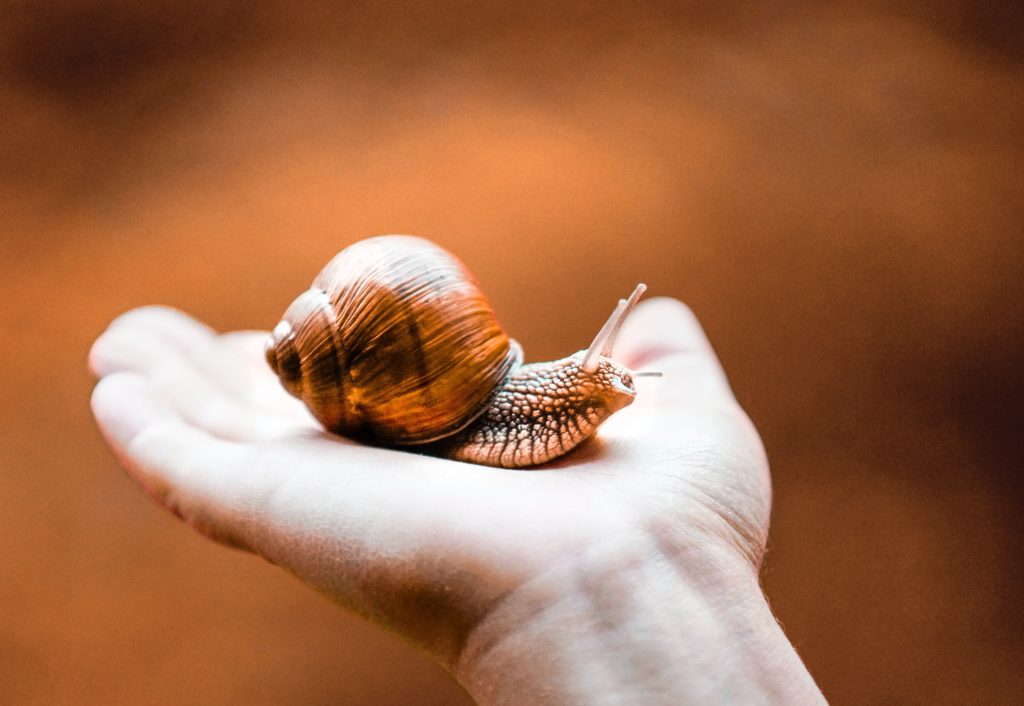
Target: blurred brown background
839	194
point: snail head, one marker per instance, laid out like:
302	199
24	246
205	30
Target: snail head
603	377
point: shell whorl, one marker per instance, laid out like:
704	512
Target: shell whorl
394	342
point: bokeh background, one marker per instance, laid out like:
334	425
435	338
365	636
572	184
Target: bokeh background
838	192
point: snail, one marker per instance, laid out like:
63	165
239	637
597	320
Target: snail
394	344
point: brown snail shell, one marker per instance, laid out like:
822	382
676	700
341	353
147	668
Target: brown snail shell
393	343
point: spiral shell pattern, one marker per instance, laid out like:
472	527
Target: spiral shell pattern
394	343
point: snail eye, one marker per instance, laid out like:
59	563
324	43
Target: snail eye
623	383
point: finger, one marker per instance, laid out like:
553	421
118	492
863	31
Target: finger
173	327
237	363
205	404
121	351
282	499
254	405
166	456
663	335
143	339
152	338
249	345
217	383
198	475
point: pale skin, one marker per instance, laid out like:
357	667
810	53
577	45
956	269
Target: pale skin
625	573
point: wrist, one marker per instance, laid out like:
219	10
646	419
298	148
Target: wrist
636	619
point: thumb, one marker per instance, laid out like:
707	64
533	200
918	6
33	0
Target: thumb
663	335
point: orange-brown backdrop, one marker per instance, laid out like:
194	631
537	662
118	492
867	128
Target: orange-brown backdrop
837	192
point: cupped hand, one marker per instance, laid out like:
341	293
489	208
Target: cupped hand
426	546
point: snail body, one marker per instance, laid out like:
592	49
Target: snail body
395	344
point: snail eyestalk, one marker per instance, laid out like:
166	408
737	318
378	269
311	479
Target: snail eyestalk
631	303
647	374
604	342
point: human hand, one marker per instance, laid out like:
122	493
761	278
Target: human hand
479	566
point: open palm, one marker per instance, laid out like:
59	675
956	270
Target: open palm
427	546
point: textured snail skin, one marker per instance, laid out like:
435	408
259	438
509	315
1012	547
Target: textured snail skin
394	344
543	411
